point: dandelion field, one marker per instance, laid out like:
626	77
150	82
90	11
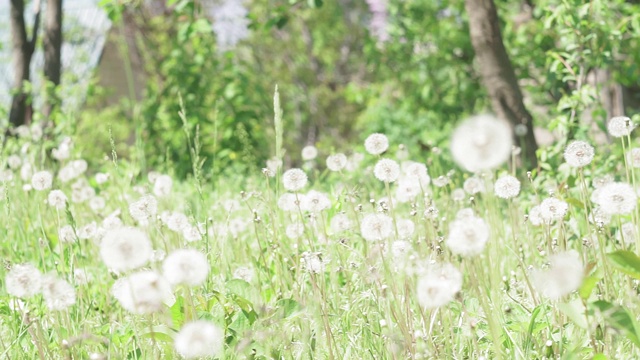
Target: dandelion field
373	255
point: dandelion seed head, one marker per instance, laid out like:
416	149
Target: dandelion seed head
309	153
66	234
406	227
507	187
186	266
315	201
376	144
563	276
386	170
125	248
58	294
144	209
337	162
23	281
616	198
473	185
340	223
162	186
375	227
294	179
243	273
438	285
620	126
42	180
578	154
481	143
294	231
552	209
199	338
468	237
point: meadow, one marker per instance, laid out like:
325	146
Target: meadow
363	253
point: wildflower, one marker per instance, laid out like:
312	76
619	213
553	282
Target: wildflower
432	213
243	273
41	180
144	209
97	203
309	153
14	162
294	231
406	228
633	157
162	186
458	195
620	126
176	221
143	292
376	144
438	285
192	233
599	217
102	178
336	162
418	172
481	143
578	154
288	202
507	187
230	23
66	234
57	199
124	249
400	248
376	227
407	189
468	237
386	170
294	179
199	338
340	223
563	276
627	233
617	198
473	185
315	201
552	209
72	170
58	294
186	266
313	263
601	181
81	276
23	281
26	172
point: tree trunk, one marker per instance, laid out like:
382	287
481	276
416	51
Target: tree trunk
498	76
22	53
52	51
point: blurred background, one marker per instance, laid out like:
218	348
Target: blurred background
114	74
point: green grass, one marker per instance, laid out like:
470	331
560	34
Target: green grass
362	303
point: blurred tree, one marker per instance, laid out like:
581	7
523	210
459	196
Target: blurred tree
498	75
23	48
52	51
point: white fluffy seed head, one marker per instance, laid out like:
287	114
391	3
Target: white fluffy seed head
375	227
340	223
507	187
162	185
563	276
468	237
616	198
309	153
481	143
58	294
474	185
23	281
386	170
315	201
336	162
144	209
57	199
199	338
438	285
294	179
552	209
143	292
620	126
125	248
633	157
376	144
578	153
41	180
186	266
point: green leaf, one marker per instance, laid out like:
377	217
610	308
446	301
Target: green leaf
590	281
288	307
619	318
626	261
177	316
600	357
159	333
